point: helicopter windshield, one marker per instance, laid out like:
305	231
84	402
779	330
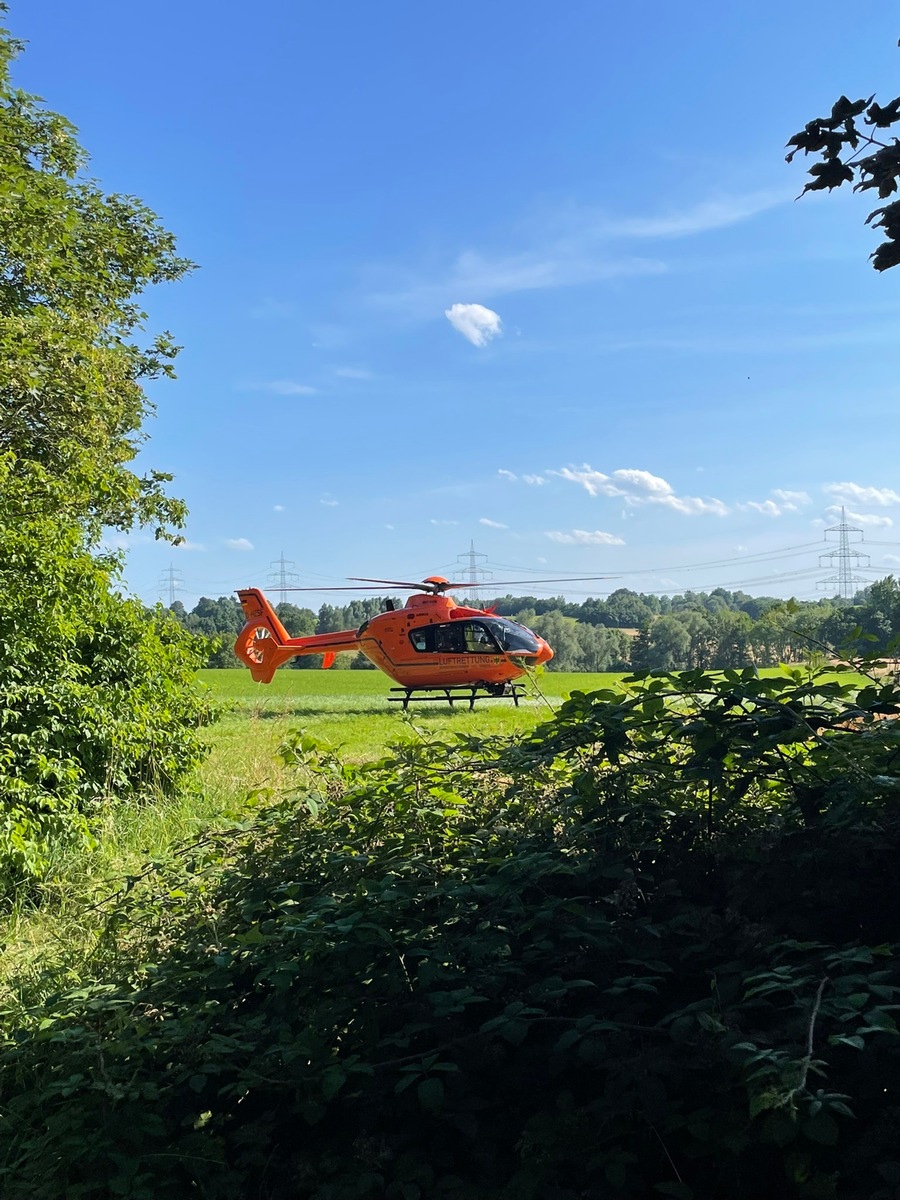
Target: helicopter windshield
512	637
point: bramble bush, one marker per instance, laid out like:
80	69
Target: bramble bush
649	949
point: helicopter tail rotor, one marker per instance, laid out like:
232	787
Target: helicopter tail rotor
264	644
261	643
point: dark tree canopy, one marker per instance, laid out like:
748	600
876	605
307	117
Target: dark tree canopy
849	154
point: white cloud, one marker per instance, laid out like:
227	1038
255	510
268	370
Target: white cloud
791	500
491	524
477	324
186	545
701	218
283	387
883	497
473	274
353	373
389	526
767	507
239	543
653	485
594	482
637	487
531	480
277	508
434	521
326	336
787	502
582	537
270	308
571	246
858	518
329	502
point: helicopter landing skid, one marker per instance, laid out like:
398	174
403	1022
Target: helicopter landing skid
459	693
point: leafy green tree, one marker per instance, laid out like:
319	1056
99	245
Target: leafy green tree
601	648
626	609
662	645
699	628
299	622
732	632
96	696
562	634
210	617
72	262
506	606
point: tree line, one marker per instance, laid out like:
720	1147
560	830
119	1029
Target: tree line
626	630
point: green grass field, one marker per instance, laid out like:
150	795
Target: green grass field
349	710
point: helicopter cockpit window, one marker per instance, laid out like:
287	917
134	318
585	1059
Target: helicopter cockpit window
455	637
477	639
514	638
422	639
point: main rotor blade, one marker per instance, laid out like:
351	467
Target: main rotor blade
419	587
326	588
486	585
456	585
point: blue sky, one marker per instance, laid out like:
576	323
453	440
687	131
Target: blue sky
653	357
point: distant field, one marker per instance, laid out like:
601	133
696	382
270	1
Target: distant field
313	687
347	710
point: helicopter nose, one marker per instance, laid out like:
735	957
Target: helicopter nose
544	652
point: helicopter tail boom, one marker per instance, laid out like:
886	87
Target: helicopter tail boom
264	643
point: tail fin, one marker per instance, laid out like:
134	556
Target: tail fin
261	643
264	643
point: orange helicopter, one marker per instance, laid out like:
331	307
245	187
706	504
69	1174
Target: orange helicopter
431	643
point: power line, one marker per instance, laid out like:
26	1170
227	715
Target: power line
750	559
282	578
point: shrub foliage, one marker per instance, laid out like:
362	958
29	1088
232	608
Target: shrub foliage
648	950
96	697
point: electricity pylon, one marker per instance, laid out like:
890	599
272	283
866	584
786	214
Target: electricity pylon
476	573
281	577
172	582
844	584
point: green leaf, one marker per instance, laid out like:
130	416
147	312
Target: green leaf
680	1191
821	1128
431	1093
333	1079
855	1041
